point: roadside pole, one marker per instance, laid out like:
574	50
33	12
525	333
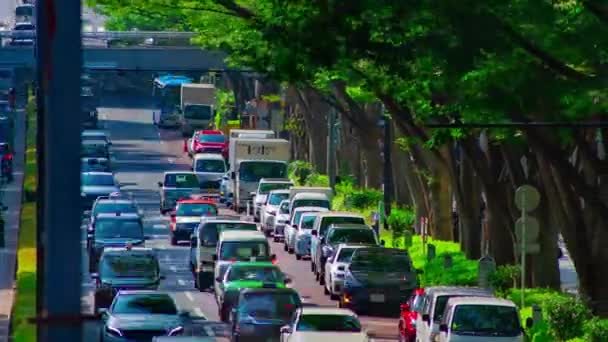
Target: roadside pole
527	229
60	60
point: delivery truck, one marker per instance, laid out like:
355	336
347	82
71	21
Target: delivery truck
254	159
197	107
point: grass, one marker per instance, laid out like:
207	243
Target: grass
25	304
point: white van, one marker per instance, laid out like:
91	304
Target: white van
482	319
209	167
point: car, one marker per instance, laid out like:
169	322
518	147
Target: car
200	330
114	230
282	220
265	186
177	185
378	278
242	274
95	134
291	230
203	246
323	324
187	216
336	267
110	205
259	314
270	209
209	167
481	319
95	184
309	199
303	235
337	234
408	314
435	300
94	164
95	148
141	315
129	268
207	141
322	223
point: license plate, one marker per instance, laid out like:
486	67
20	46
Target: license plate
207	269
376	298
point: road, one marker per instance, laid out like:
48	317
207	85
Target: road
140	155
7	11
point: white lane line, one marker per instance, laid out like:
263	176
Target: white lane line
189	296
181	282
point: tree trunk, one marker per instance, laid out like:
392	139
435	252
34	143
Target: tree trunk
441	203
468	201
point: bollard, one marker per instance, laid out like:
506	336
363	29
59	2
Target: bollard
430	253
447	261
537	314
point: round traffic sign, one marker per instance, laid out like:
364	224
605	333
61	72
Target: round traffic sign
530	227
527	198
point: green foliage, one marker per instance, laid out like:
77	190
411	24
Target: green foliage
363	198
316	179
505	277
596	330
299	171
566	317
224	103
400	220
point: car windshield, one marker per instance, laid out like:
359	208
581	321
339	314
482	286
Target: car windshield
91	179
342	323
125	265
244	250
329	220
307	222
276	199
284	209
197	112
281	306
211	231
181	180
196	209
337	236
486	320
379	260
212	138
94	150
311	203
262	274
115	229
265	188
210	166
107	207
253	171
345	254
24	10
144	304
440	304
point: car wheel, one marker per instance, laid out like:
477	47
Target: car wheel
290	250
285	248
298	257
334	296
325	290
321	279
312	267
317	276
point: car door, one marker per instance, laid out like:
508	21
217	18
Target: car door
314	240
327	269
194	245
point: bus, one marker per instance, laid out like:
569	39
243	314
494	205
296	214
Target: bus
166	91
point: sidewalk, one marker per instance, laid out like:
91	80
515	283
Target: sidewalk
11	197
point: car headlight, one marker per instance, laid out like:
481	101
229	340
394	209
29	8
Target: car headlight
113	331
176	331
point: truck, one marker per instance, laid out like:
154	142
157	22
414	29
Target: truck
304	196
197	104
252	133
254	159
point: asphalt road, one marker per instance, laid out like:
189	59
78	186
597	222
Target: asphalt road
141	153
7	11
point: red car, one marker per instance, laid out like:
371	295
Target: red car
207	141
187	216
407	318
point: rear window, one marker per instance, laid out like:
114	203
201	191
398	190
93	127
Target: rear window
329	220
341	323
211	231
307	221
311	203
267	187
196	209
486	320
269	305
244	250
184	180
114	207
212	138
337	236
210	166
381	260
276	199
125	265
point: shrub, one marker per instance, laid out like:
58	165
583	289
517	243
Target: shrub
299	170
596	330
566	316
364	198
316	179
505	277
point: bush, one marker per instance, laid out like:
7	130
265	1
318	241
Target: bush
401	219
566	316
505	277
299	171
364	198
596	330
316	179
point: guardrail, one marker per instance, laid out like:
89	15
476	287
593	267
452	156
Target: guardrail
108	35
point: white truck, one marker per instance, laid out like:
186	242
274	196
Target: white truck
252	133
197	107
304	196
252	160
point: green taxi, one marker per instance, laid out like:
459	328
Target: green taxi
242	275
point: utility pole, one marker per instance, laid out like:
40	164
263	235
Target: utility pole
60	61
388	171
331	148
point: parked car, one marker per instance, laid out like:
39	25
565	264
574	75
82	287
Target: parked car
335	268
265	186
271	208
282	220
291	230
408	314
311	324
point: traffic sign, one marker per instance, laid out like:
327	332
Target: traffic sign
527	198
530	228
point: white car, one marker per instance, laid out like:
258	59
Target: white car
264	188
335	268
291	229
324	324
303	235
271	208
282	220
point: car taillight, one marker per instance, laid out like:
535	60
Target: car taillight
8	156
198	146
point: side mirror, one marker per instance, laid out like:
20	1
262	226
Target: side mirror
405	307
253	194
191	168
160	184
233	175
219	279
295	226
273	257
147	238
529	322
214	257
172	214
314	232
287	281
382	242
286	329
426	318
89	236
109	143
94	275
443	328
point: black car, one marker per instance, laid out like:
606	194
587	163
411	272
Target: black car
125	269
259	314
337	234
378	277
114	230
141	315
95	165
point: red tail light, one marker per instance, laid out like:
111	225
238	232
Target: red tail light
233	260
275	261
8	156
